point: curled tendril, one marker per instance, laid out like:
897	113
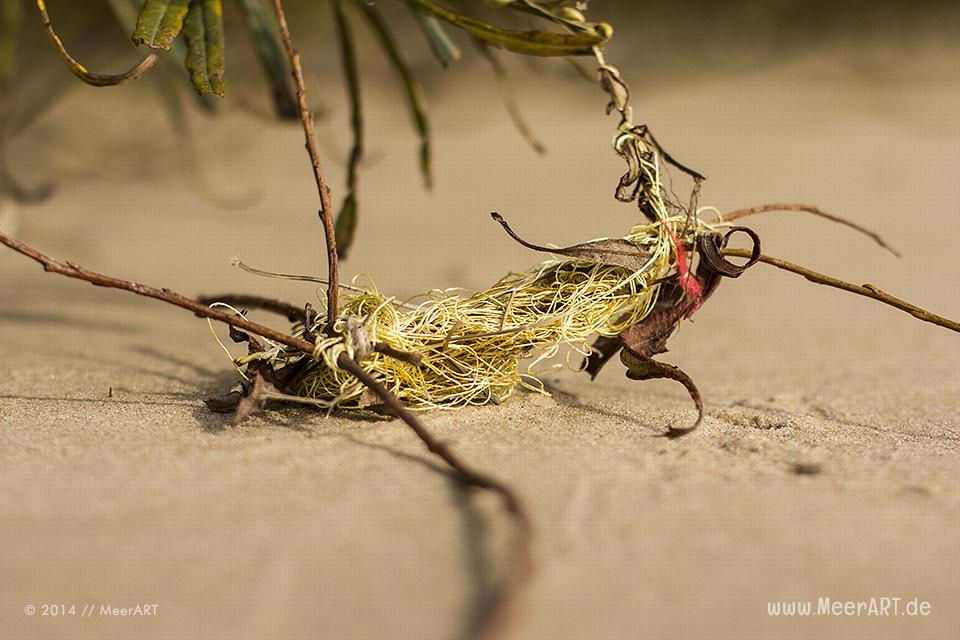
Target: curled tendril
712	244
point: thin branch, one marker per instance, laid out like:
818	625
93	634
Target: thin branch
696	175
95	79
291	312
521	565
409	357
301	278
805	208
75	271
866	290
326	208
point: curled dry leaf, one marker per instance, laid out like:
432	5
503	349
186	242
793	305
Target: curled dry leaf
610	251
640	342
641	367
644	340
711	246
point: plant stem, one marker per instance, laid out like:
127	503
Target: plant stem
75	271
326	208
866	290
805	208
291	312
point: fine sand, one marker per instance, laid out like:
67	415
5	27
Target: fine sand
828	465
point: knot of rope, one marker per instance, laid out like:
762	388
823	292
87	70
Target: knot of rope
353	341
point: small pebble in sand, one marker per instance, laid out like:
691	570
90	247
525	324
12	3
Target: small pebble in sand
807	468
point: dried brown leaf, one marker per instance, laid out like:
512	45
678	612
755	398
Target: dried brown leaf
643	367
256	399
612	251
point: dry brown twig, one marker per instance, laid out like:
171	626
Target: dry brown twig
806	208
866	290
326	207
72	270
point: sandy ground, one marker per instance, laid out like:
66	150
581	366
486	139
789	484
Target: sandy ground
828	466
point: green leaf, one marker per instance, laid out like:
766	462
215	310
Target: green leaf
415	100
126	12
346	222
160	22
263	33
510	98
442	45
531	43
614	252
345	227
204	29
567	17
10	18
95	79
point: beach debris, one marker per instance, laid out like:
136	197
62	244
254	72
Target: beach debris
627	294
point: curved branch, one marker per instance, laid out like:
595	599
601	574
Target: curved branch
291	312
95	79
805	208
866	290
75	271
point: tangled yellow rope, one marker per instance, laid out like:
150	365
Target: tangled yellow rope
472	347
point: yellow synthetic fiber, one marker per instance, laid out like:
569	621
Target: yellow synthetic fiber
472	347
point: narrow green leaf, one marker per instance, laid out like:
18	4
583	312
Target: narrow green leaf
204	29
417	104
531	43
346	222
442	45
510	98
263	33
564	16
11	14
126	12
77	69
345	227
160	22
